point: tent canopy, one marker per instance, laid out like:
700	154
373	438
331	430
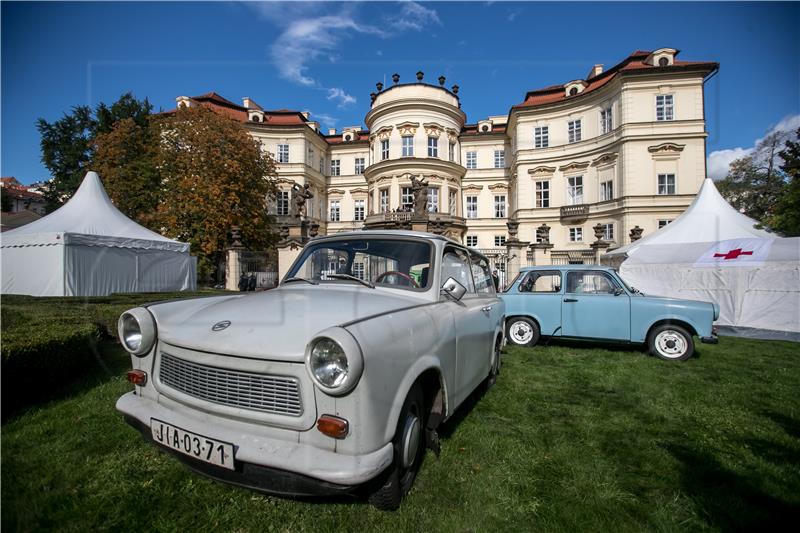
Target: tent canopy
89	218
709	218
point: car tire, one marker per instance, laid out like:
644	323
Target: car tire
670	343
522	331
409	451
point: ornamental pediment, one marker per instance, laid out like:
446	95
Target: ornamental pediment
575	165
284	181
542	171
432	129
453	134
498	187
382	133
666	148
335	192
605	159
408	128
359	190
472	188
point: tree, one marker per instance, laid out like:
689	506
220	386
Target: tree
786	215
125	159
755	183
5	199
67	144
66	152
214	176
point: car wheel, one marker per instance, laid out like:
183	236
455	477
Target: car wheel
522	331
409	450
494	369
670	342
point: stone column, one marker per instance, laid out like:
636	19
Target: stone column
542	245
293	237
233	260
516	250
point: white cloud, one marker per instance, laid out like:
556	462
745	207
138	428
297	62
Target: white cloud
326	120
414	16
338	95
719	161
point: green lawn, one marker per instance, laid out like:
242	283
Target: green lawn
571	438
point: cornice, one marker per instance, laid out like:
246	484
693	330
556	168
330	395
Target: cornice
666	147
414	165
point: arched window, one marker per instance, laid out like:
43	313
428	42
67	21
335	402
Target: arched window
663	62
573	91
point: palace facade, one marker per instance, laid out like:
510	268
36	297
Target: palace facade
597	160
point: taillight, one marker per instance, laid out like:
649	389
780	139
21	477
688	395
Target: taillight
333	426
137	377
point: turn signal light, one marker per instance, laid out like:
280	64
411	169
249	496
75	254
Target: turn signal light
137	377
333	426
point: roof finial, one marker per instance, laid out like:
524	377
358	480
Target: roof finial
420	75
442	79
379	86
396	78
455	89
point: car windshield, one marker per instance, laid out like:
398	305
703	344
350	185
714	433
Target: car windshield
398	263
625	283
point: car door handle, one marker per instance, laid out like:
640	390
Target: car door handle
486	309
570	300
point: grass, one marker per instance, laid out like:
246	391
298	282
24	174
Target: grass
571	438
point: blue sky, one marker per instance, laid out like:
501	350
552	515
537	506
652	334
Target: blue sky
326	57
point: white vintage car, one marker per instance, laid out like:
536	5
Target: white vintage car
335	382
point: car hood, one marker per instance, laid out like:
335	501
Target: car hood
679	302
275	324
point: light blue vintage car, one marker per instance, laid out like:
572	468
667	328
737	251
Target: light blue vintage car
593	302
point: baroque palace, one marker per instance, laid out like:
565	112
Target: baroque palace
571	170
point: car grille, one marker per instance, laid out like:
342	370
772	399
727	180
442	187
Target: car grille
234	388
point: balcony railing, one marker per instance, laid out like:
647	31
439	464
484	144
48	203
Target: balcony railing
390	216
570	213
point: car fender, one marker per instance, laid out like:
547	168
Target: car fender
640	335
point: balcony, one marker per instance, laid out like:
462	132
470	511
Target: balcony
403	216
574	214
436	222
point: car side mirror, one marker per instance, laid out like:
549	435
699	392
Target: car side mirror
454	289
618	291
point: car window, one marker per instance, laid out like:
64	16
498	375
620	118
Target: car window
481	274
455	264
541	282
590	282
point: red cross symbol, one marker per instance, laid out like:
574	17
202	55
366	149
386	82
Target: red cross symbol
733	254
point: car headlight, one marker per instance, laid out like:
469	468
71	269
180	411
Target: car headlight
137	331
334	361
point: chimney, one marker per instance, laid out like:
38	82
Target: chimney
331	131
183	101
313	125
305	114
246	102
596	71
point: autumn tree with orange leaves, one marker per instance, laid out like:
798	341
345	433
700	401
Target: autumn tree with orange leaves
190	175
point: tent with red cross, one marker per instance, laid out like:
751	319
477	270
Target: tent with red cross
712	252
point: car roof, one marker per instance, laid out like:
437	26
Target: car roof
567	267
384	233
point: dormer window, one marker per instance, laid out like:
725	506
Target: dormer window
573	91
663	61
255	118
484	126
574	88
348	137
663	57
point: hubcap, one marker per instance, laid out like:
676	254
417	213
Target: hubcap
410	441
521	332
670	343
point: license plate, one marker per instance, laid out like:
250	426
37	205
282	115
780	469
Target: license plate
194	445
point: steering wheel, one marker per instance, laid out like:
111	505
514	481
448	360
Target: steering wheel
411	280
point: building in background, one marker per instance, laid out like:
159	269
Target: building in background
601	159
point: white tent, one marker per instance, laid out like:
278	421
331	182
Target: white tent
714	253
89	248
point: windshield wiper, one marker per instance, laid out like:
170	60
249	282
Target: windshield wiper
352	278
298	278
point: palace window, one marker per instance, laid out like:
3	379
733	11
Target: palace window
283	153
541	137
407	198
472	160
606	122
499	240
359	210
575	190
358	269
472	240
608	232
433	147
384	149
334	211
664	107
359	165
452	198
283	202
666	184
606	190
663	222
500	206
543	193
576	234
383	203
433	200
408	146
321	164
574	130
472	206
335	167
452	152
499	159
